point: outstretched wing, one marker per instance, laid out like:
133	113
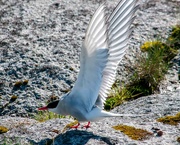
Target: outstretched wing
104	46
119	31
93	59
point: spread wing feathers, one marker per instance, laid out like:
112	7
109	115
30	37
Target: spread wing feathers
103	48
93	59
118	35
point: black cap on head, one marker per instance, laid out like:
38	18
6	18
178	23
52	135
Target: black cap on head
53	104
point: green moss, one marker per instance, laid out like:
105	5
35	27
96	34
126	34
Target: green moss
178	139
132	132
171	120
3	129
13	98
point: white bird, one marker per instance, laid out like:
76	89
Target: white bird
103	48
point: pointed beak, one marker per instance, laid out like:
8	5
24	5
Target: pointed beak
43	108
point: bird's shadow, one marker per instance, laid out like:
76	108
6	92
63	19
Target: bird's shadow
73	137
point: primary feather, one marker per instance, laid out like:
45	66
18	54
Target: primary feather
103	48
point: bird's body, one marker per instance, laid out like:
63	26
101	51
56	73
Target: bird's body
102	50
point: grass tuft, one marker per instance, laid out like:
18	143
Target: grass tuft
43	116
149	70
117	96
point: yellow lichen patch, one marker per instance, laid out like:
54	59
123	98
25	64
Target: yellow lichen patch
132	132
13	98
18	84
68	126
25	82
71	124
3	129
178	139
171	120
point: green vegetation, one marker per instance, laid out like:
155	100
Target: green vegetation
3	129
42	116
132	132
148	70
68	126
12	141
174	37
117	96
171	120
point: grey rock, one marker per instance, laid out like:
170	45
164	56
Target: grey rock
29	131
41	41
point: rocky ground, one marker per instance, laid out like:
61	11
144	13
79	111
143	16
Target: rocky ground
40	41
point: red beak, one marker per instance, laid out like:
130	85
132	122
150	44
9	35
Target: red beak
43	108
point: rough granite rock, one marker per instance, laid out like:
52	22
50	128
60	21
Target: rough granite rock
40	41
29	131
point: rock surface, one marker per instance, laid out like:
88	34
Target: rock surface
40	41
26	131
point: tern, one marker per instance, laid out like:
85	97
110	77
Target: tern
104	46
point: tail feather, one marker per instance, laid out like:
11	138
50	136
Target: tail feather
97	114
110	114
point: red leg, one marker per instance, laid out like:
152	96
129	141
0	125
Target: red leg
87	126
75	126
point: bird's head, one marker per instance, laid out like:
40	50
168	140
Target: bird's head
51	106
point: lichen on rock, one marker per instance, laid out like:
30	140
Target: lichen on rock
132	132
